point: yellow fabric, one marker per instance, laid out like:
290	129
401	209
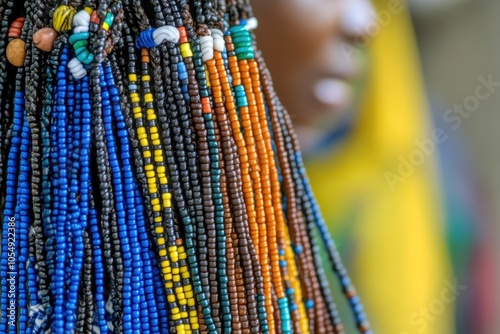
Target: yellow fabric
396	250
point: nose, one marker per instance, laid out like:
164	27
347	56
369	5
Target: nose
357	15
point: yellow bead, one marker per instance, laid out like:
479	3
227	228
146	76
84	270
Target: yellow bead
180	328
186	50
171	298
146	78
161	241
132	77
151	114
89	10
194	316
62	18
184	315
195	326
159	230
105	26
189	294
149	167
134	97
176	317
163	252
191	302
186	275
148	98
207	75
147	154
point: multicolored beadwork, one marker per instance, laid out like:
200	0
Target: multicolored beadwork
150	180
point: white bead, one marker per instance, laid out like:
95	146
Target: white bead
219	43
166	33
207	48
252	24
79	29
76	68
82	18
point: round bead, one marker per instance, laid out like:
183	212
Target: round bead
62	18
16	52
44	39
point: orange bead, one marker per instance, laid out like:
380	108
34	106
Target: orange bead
14	32
16	52
183	35
94	18
16	28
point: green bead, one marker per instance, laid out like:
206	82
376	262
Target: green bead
244	56
80	43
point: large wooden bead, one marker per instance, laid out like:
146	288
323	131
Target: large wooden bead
16	52
44	39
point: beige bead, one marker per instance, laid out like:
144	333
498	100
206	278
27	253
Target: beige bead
16	52
44	39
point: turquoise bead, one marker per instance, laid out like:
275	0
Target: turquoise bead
78	37
89	59
109	19
237	28
80	50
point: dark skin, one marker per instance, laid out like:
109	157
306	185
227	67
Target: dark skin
307	45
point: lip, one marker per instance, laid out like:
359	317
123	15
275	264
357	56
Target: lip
333	93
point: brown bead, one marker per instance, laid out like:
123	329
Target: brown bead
44	39
16	52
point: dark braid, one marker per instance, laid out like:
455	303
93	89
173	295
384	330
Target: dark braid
34	110
112	248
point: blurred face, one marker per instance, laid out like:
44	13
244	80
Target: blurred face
308	47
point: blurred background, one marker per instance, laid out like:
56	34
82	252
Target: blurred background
458	43
396	105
